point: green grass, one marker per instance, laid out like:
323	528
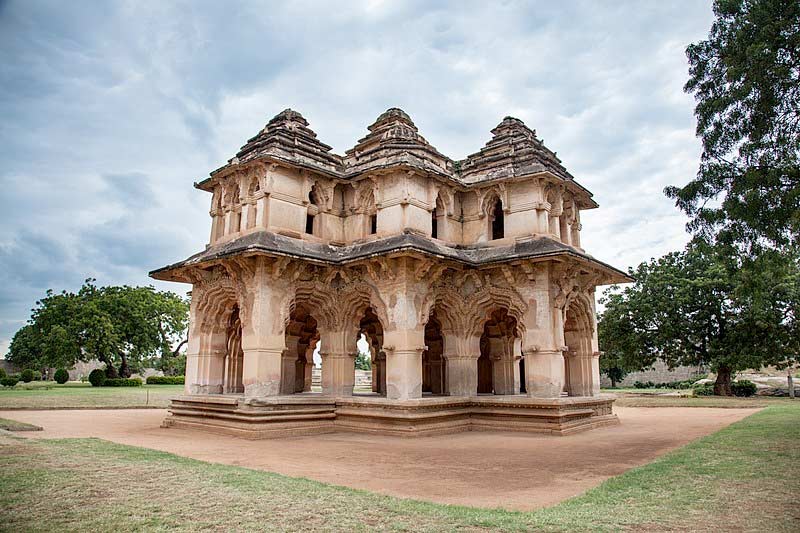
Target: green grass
703	401
744	478
13	425
50	395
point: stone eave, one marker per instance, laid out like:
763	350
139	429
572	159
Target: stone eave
271	244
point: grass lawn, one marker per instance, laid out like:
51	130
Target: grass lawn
50	395
702	401
743	478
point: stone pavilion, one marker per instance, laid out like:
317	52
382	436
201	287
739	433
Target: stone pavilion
467	278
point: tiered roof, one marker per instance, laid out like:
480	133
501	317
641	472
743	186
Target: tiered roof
287	137
394	141
514	150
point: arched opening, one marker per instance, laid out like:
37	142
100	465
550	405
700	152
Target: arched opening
297	366
437	218
578	360
370	327
497	220
234	355
433	365
498	371
312	212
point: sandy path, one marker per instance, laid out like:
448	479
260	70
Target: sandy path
506	470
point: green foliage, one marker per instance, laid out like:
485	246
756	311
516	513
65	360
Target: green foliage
746	81
165	380
97	377
706	389
120	326
363	361
61	376
684	384
705	306
9	381
122	382
2	373
27	375
743	388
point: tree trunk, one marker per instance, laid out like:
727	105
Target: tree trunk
790	382
124	369
111	372
722	386
613	383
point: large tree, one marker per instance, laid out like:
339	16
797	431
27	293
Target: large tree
705	306
746	80
118	325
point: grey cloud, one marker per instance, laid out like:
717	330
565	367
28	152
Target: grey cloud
111	111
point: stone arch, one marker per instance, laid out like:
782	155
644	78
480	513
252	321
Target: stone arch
301	335
579	356
498	370
438	218
218	328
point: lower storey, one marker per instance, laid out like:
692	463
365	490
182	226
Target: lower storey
305	414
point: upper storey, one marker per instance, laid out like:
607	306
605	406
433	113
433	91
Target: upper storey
285	181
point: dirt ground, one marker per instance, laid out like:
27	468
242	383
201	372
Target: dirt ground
508	470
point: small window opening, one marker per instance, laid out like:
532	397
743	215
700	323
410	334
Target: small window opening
310	224
434	226
373	224
498	225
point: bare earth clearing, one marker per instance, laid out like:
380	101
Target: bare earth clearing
506	470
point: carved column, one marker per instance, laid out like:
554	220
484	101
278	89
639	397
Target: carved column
288	364
338	350
461	354
263	337
404	363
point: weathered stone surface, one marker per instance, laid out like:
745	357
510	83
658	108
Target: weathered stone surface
467	280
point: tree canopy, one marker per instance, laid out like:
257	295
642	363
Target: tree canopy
704	306
746	80
118	325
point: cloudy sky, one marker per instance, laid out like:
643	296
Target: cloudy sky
111	110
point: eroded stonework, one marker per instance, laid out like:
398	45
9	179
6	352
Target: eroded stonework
466	277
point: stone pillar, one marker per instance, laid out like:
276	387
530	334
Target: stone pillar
263	333
288	364
262	366
461	354
404	363
261	212
245	216
338	350
545	373
309	368
502	365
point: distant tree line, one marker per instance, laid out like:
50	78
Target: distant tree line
124	327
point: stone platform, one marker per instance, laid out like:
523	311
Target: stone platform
305	414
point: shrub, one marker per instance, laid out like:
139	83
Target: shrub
2	373
27	375
9	381
97	377
122	382
165	380
61	376
743	388
706	389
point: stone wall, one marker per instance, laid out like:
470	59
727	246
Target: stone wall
659	373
